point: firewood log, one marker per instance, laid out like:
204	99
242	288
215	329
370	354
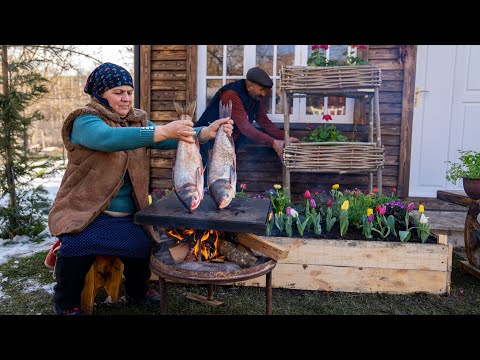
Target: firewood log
236	255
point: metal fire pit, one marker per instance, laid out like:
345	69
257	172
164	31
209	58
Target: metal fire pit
206	272
244	215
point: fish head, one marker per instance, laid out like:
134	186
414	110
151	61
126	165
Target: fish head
188	196
222	192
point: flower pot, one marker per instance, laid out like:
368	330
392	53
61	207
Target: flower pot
472	188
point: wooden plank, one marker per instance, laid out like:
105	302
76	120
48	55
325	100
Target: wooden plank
368	254
391	85
466	267
165	95
203	299
263	245
169	55
171	85
162	105
169	47
407	122
375	53
164	154
161	173
391	97
352	279
164	116
455	197
145	69
168	75
161	163
161	183
169	65
191	70
396	75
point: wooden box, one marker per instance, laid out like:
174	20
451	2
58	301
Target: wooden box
362	266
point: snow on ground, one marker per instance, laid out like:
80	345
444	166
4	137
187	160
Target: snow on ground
21	246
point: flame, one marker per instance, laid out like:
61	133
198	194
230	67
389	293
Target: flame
204	243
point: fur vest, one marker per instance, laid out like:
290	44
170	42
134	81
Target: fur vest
93	178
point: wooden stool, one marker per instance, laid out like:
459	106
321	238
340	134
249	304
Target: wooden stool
106	272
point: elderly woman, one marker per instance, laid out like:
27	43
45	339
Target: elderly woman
106	182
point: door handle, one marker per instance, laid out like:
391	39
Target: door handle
417	95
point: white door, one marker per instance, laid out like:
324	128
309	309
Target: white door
446	116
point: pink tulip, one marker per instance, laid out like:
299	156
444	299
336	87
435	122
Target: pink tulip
313	204
329	202
307	194
289	211
410	206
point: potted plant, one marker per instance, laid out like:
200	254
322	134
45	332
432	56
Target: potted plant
468	169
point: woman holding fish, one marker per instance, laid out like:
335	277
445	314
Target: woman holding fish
106	181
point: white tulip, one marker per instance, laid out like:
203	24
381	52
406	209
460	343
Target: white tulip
423	219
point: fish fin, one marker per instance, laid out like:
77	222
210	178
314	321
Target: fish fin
199	177
185	108
233	175
225	111
179	108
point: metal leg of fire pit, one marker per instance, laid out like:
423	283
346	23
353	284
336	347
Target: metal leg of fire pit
163	298
268	292
210	292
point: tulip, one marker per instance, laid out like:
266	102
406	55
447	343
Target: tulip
421	208
313	204
307	194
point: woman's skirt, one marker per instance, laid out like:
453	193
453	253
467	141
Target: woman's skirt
108	235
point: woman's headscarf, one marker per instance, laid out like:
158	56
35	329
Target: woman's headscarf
105	77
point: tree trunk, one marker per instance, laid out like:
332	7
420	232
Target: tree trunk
8	148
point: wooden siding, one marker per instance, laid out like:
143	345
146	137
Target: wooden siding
173	75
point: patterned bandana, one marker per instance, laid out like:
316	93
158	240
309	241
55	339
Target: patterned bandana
105	77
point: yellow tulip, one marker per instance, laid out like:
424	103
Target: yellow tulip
335	186
369	212
277	186
345	205
149	199
421	208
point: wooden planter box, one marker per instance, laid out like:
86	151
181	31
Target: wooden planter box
362	266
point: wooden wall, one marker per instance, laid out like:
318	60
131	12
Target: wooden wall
169	72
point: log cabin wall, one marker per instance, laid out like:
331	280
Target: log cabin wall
169	72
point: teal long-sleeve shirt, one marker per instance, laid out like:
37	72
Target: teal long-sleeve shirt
92	132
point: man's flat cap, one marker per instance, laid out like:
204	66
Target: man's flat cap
259	76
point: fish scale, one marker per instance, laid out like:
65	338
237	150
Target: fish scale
222	164
188	171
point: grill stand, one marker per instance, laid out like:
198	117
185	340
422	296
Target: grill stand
162	290
209	276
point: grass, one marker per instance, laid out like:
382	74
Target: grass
20	274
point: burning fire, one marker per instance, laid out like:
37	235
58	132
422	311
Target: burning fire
204	242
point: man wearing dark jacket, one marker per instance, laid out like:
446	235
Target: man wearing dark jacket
246	96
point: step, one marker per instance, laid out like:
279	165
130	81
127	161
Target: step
450	223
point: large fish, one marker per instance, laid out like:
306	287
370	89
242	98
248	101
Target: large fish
188	169
222	165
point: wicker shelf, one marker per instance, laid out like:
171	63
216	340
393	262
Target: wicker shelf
360	82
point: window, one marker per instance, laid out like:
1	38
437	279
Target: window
221	64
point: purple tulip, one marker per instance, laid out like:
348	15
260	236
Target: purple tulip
313	204
370	218
289	211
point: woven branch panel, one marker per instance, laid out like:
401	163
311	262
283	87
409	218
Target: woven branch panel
304	78
341	157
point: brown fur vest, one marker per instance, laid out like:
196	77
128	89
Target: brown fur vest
93	178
